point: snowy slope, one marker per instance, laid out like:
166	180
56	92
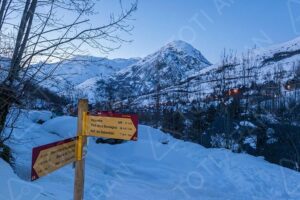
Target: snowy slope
81	68
11	186
174	62
275	63
171	64
288	46
181	70
177	54
145	169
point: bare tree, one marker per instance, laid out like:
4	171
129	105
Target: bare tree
40	31
4	8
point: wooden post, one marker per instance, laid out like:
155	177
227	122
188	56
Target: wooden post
79	165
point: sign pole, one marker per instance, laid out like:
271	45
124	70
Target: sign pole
80	164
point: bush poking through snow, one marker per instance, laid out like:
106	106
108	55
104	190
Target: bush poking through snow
5	154
108	141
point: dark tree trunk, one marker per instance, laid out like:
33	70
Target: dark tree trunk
7	98
7	92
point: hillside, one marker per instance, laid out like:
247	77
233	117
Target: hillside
146	169
213	105
174	62
78	69
175	69
170	65
178	69
259	66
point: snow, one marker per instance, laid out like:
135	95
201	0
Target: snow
271	136
186	69
89	88
176	61
247	123
201	82
55	126
270	118
184	48
251	140
146	169
291	45
36	116
12	187
79	69
88	84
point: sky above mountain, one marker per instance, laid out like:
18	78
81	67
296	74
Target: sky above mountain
209	26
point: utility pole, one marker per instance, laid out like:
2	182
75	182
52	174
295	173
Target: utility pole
80	164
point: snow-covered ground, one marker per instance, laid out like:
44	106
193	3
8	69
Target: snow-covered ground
142	170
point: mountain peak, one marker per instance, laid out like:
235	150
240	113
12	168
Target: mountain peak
183	48
179	45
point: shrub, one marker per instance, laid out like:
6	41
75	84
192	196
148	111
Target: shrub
5	153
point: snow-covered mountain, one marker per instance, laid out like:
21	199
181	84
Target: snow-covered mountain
291	46
166	67
81	68
178	69
175	69
171	64
177	60
279	63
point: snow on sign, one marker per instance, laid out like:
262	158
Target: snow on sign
50	157
111	125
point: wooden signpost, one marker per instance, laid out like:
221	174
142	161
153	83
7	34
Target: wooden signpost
80	164
50	157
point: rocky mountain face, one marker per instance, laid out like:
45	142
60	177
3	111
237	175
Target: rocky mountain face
170	65
167	67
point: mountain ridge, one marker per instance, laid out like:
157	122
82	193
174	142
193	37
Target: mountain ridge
179	66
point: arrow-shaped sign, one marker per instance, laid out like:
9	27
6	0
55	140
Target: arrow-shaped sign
50	157
111	125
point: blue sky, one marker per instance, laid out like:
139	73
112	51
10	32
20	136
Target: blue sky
209	25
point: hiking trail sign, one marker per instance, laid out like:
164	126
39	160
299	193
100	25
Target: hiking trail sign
111	125
50	157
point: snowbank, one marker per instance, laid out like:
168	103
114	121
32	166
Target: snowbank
148	169
247	124
36	116
64	127
12	187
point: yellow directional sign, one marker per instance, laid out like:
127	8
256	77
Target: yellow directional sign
50	157
115	126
